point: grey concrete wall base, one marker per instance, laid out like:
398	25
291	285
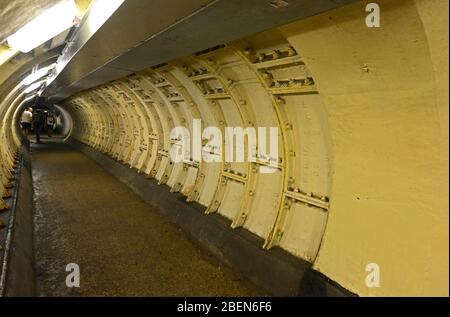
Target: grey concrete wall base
275	271
18	278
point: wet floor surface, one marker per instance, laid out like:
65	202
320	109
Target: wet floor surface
123	247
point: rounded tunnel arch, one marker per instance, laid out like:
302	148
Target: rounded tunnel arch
64	124
116	119
356	175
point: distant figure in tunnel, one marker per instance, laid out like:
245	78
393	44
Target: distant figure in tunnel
26	122
38	124
50	124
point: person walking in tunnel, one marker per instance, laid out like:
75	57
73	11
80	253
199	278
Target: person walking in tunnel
26	122
50	124
38	124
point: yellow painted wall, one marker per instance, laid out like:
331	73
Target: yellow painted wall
6	54
389	126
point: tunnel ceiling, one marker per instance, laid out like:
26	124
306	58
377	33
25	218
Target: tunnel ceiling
153	36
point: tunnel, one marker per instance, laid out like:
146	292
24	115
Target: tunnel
224	148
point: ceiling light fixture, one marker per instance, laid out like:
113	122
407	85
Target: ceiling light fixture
44	27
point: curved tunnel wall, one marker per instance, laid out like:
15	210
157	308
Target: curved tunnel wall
225	87
10	141
363	120
12	101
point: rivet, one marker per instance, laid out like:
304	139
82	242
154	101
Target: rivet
291	51
261	57
276	54
267	75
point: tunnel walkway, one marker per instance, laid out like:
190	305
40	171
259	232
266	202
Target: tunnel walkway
124	248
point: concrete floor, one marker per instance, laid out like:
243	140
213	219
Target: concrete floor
123	247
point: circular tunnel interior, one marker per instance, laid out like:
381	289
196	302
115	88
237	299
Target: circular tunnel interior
343	131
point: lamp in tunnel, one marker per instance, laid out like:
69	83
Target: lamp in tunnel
44	27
